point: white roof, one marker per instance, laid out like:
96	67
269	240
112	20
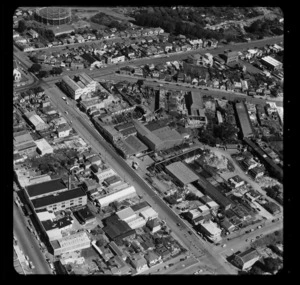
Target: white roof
39	179
74	240
126	214
253	51
212	204
271	60
105	174
44	216
278	47
211	228
36	120
44	146
203	208
148	213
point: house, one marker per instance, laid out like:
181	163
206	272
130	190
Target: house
153	225
246	259
152	258
63	131
138	262
33	34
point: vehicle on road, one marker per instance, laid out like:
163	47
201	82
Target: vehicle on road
190	232
252	240
259	227
251	230
31	265
67	102
64	98
178	224
224	245
66	112
257	237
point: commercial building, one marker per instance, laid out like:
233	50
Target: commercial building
54	228
70	243
61	201
231	57
80	85
43	147
136	223
211	230
244	120
271	63
181	173
126	214
101	176
63	131
246	259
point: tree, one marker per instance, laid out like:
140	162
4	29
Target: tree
35	68
56	70
22	26
272	264
42	74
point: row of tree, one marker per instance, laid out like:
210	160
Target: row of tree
174	26
103	19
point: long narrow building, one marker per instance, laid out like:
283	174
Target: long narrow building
244	120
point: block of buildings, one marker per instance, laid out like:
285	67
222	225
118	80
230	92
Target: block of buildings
70	243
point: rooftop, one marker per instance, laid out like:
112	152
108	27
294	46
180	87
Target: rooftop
248	255
45	187
271	60
60	197
182	172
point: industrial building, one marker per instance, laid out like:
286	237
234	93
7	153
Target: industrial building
215	194
244	120
131	146
117	195
271	63
271	165
36	121
80	85
70	243
181	173
158	139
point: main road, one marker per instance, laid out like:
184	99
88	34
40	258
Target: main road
197	247
28	243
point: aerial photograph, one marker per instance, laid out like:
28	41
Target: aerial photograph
148	140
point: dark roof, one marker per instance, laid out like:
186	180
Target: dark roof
45	187
139	206
248	255
85	214
61	223
244	119
60	197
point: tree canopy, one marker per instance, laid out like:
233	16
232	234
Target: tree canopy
35	68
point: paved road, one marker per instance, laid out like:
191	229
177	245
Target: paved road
216	93
28	243
196	246
240	243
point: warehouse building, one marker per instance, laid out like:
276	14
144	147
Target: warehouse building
149	214
181	173
244	120
36	121
70	243
131	146
43	147
271	63
158	139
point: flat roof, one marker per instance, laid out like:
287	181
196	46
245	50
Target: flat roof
45	187
60	197
182	172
